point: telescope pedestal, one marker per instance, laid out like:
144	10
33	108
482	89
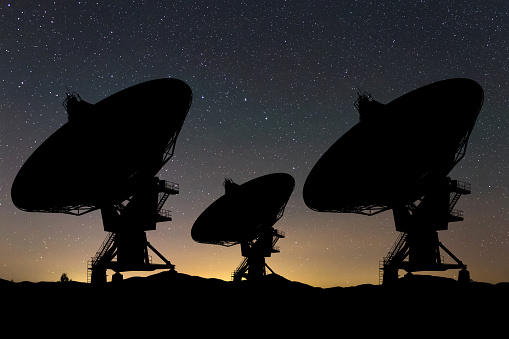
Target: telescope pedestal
418	247
132	255
255	252
127	240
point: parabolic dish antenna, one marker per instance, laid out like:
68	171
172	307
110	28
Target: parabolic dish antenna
245	215
106	157
396	149
244	211
398	157
104	150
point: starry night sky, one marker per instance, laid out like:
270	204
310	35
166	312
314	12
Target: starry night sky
274	84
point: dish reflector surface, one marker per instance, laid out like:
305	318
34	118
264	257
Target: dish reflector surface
244	210
397	150
104	150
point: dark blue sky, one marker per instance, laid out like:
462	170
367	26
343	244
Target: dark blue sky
274	84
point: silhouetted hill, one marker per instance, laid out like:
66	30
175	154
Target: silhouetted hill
180	298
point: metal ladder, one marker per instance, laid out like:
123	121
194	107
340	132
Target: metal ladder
398	244
105	246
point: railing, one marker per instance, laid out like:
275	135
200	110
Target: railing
381	266
104	247
89	271
166	189
463	186
279	234
171	187
456	213
239	268
454	197
458	188
166	214
396	247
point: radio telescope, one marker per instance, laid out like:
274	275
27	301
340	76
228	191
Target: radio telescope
399	157
106	157
245	215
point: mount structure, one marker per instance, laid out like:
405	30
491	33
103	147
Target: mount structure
106	158
245	215
398	157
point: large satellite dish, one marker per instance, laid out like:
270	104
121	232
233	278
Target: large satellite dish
105	157
104	150
398	157
396	149
245	215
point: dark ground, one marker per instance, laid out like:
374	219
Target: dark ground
273	305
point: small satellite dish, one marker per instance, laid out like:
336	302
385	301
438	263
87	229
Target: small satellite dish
398	157
245	215
244	210
105	157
